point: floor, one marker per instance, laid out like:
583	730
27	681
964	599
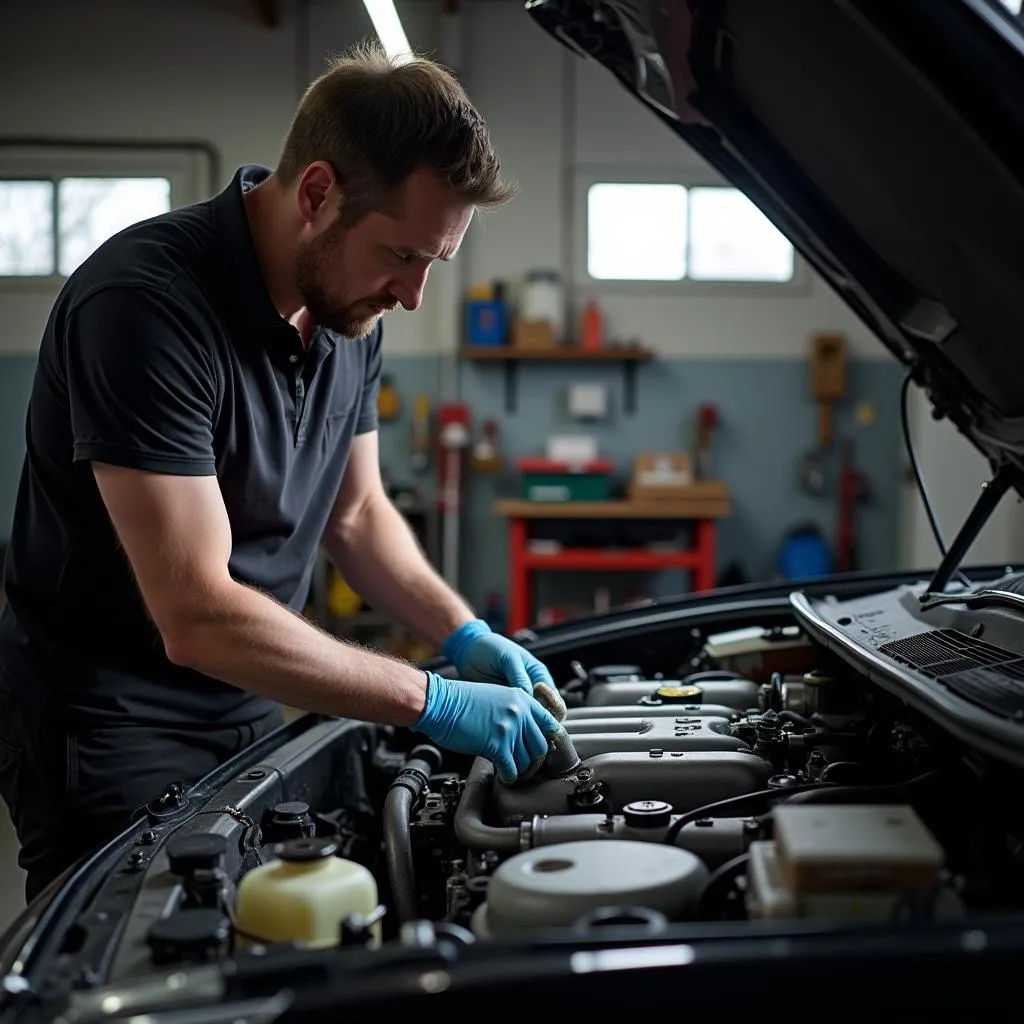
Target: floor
12	878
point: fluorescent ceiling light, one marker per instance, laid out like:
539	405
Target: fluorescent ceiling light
388	27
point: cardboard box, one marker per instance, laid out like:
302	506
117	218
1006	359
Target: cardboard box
532	335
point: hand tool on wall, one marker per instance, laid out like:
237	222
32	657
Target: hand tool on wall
854	489
828	381
420	433
827	374
707	420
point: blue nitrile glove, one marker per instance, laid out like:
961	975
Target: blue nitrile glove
500	723
488	657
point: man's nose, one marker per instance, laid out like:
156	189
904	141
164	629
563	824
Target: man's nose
409	287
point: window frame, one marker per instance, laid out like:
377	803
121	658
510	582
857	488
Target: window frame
688	178
189	169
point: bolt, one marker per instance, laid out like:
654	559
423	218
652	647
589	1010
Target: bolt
148	837
256	774
136	857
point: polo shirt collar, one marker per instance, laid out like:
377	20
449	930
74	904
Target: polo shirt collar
240	263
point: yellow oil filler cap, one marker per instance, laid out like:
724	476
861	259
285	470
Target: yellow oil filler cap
679	694
304	895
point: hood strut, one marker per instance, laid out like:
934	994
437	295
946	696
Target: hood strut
991	495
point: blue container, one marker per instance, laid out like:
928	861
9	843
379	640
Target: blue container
486	322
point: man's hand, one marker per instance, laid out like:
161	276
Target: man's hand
500	723
487	657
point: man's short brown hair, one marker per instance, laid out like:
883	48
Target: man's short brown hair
376	120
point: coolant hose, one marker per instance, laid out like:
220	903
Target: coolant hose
403	794
892	792
470	829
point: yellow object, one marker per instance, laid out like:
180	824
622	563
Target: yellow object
304	896
342	600
389	401
679	693
864	413
480	292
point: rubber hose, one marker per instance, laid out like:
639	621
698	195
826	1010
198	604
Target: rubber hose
841	768
713	675
868	794
403	793
796	718
470	829
722	877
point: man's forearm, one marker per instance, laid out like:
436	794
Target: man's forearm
378	556
248	639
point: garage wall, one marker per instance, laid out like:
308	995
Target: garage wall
135	70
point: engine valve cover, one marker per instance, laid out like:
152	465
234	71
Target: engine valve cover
685	779
683	732
737	694
635	710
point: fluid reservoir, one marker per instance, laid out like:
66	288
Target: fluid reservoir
304	895
554	886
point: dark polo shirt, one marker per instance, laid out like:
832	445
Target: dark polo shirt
164	353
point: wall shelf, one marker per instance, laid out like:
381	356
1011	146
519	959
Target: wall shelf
629	357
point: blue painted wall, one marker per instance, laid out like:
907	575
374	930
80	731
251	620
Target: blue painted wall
768	420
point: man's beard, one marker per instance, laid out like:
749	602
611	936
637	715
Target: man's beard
335	312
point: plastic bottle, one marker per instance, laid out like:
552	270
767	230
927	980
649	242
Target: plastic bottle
543	300
304	895
592	327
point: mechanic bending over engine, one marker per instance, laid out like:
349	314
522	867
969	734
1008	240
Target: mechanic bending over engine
203	417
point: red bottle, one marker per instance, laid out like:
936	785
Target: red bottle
592	327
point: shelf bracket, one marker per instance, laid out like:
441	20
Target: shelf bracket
511	380
629	387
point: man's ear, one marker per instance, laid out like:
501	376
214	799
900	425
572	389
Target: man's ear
315	187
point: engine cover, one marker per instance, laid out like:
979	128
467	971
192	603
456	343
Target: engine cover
684	779
604	735
738	694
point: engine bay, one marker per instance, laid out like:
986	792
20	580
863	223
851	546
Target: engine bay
754	778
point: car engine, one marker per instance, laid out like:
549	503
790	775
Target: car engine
754	781
763	781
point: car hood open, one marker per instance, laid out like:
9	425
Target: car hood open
883	139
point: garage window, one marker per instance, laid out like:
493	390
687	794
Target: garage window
639	231
51	226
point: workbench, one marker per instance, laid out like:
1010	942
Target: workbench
699	559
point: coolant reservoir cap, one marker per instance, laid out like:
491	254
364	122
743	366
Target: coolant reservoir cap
306	849
647	813
679	694
201	852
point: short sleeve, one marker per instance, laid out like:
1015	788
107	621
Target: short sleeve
368	419
141	383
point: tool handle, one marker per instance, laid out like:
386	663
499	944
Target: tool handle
825	424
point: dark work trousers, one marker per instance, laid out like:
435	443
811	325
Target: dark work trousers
70	789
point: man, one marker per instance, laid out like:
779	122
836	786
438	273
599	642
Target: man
203	416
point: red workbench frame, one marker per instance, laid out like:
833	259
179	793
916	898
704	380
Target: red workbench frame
699	559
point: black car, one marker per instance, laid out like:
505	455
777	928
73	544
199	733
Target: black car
800	800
